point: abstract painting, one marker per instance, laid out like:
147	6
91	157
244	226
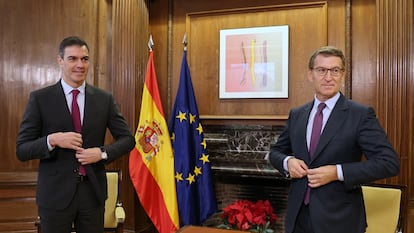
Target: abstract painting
254	62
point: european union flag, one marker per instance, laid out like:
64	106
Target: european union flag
195	194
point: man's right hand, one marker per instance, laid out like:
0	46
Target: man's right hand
69	140
297	168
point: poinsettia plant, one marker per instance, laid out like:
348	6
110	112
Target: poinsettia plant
246	215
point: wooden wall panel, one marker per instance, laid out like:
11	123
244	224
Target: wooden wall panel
128	52
18	208
159	27
364	56
395	82
309	27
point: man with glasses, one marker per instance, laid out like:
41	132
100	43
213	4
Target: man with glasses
321	150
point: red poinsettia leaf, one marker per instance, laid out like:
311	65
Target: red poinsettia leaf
241	218
232	219
259	220
249	216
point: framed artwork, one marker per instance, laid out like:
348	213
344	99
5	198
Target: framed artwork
254	62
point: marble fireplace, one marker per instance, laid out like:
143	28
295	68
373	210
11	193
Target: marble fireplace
241	171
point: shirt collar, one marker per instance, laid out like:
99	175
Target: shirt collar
68	89
330	103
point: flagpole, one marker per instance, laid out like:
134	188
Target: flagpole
150	43
185	42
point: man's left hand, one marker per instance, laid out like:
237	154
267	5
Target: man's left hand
88	156
322	175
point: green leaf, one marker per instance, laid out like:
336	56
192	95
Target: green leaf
223	226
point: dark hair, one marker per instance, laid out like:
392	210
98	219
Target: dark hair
69	41
326	51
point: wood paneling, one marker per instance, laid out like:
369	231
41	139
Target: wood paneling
308	29
395	84
364	51
128	52
17	200
160	29
382	73
312	24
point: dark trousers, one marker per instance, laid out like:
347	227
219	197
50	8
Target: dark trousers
84	213
303	221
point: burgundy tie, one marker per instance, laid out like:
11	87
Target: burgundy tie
77	121
316	129
316	134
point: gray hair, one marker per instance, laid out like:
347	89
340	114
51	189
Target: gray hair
326	51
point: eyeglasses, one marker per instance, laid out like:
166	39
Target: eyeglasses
322	71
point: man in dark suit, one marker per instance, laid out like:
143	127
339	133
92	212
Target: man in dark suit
325	193
72	186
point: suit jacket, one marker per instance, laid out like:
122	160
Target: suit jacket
47	112
351	131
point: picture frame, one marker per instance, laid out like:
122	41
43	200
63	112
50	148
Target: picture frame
254	62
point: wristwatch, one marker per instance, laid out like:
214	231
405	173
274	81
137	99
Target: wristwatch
104	155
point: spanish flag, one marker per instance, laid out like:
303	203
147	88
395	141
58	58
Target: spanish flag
151	162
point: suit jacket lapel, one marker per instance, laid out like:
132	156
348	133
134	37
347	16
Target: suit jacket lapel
58	101
333	125
88	113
